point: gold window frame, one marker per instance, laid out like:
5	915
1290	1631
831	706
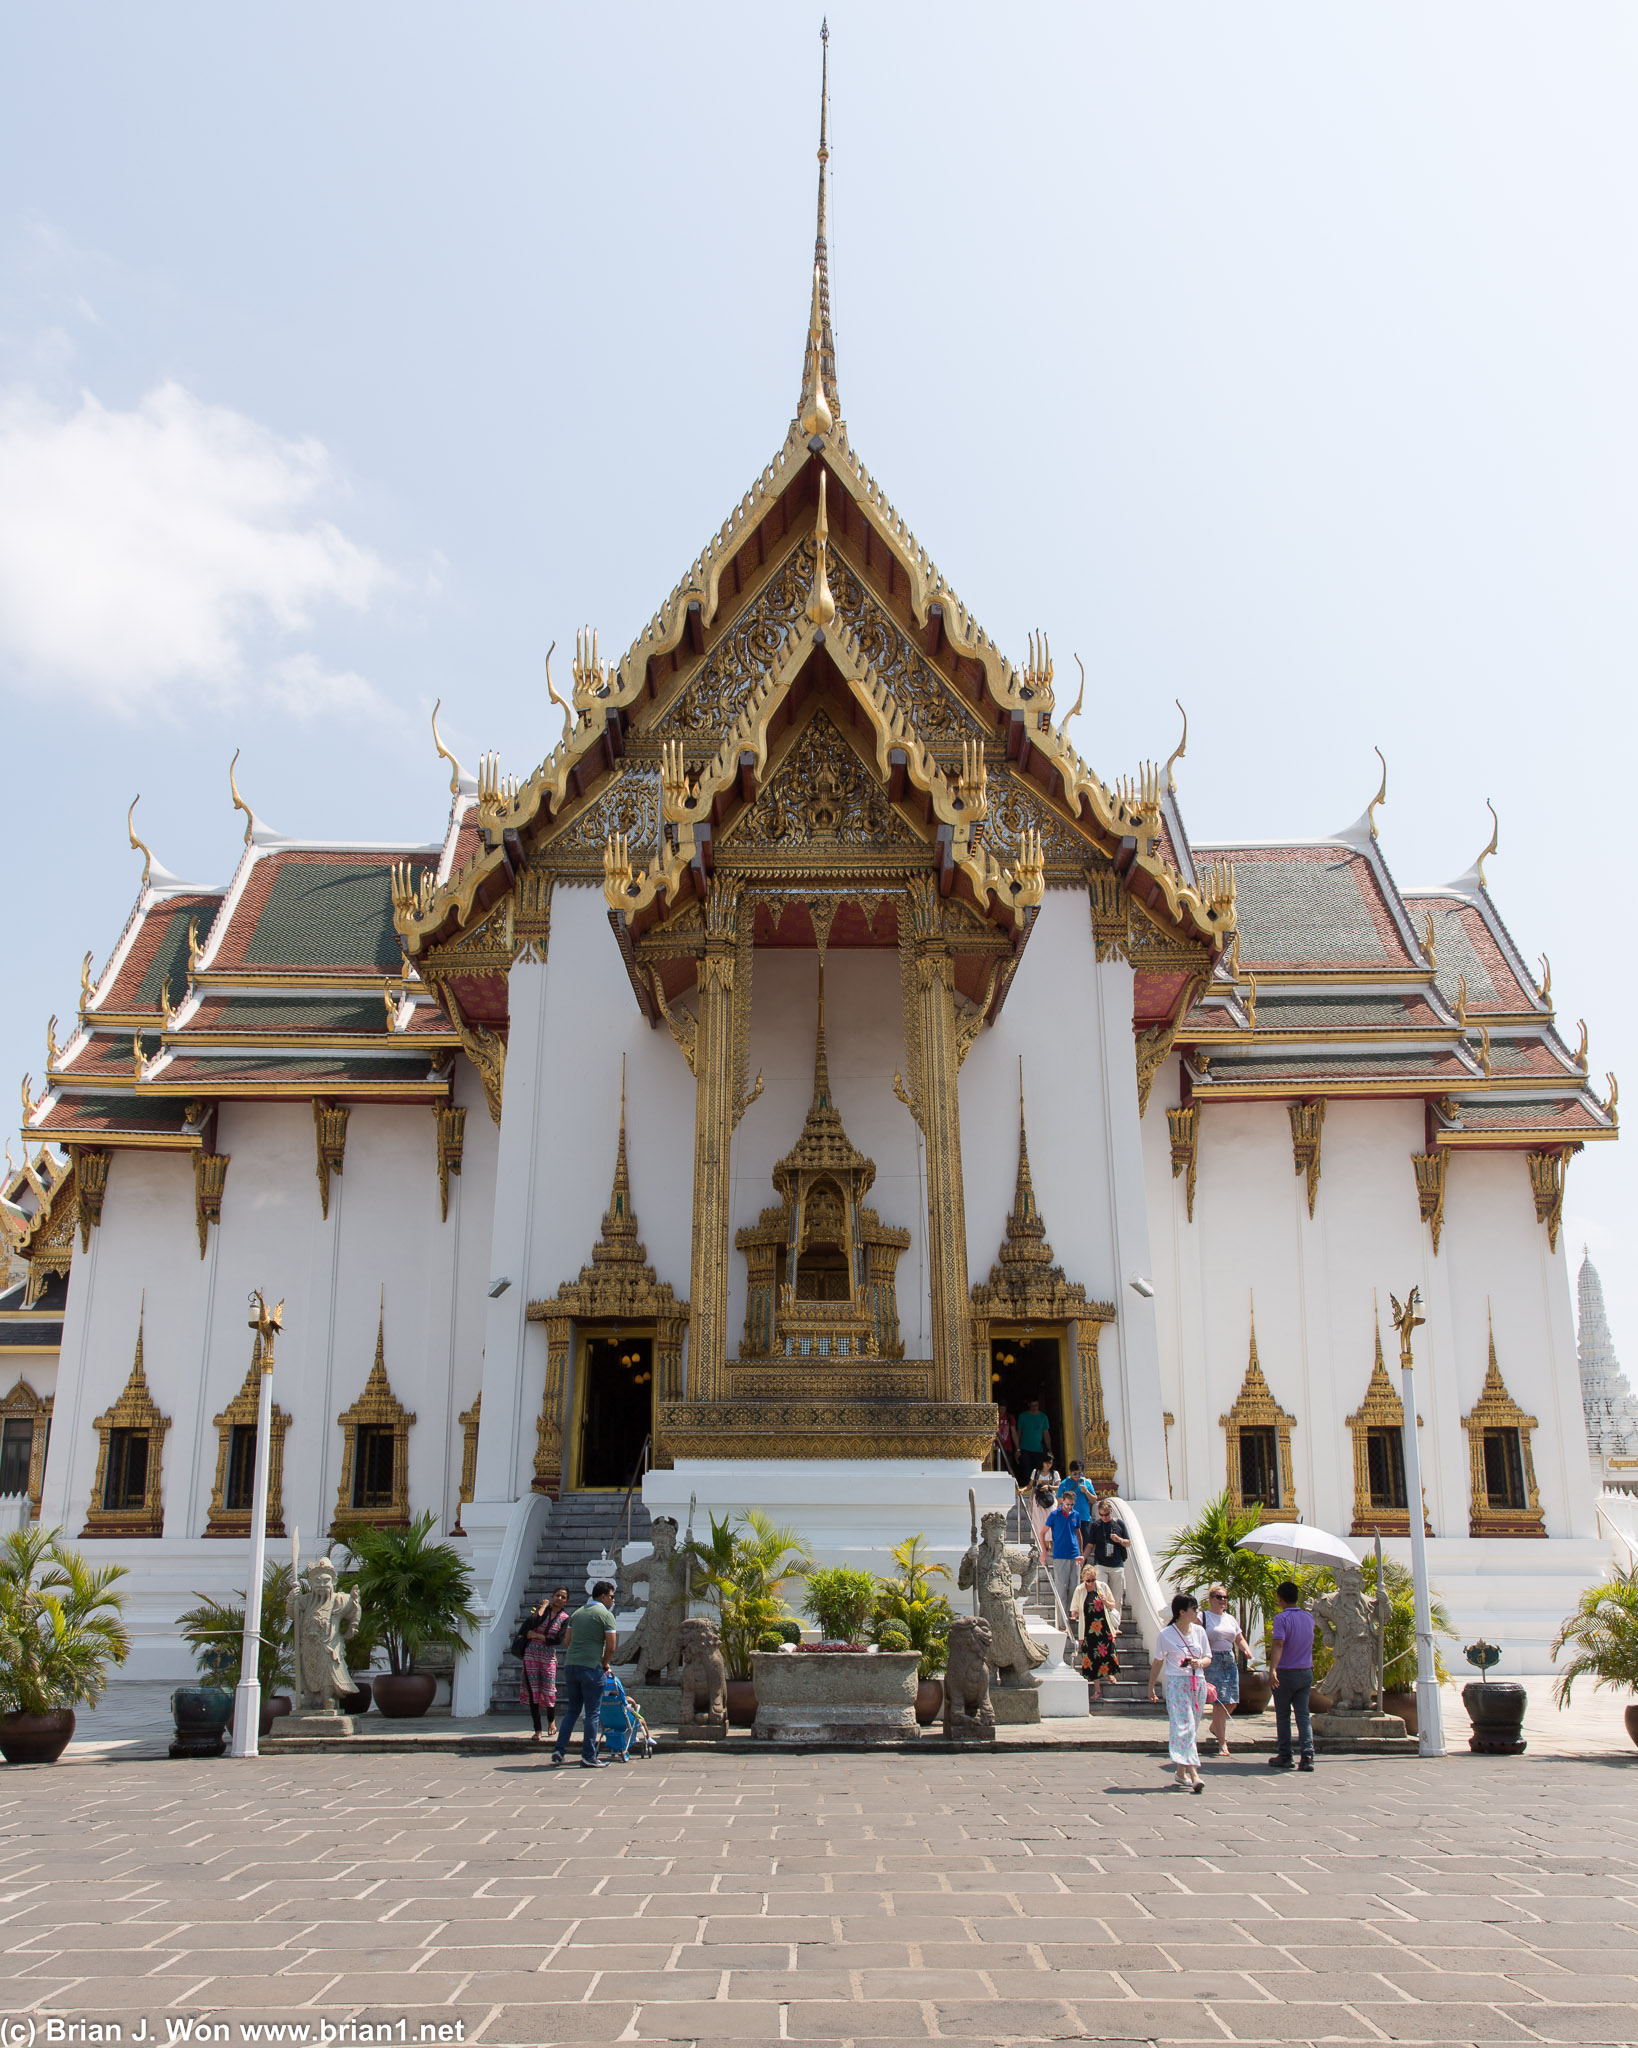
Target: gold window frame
1496	1409
242	1412
1382	1408
378	1407
1256	1408
469	1459
22	1403
135	1409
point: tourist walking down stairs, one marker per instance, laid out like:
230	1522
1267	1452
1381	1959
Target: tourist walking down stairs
1223	1675
1182	1653
544	1633
1089	1618
1065	1561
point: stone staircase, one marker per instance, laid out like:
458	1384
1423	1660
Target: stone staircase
581	1526
1129	1693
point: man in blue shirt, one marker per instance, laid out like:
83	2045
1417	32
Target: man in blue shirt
1082	1496
1065	1532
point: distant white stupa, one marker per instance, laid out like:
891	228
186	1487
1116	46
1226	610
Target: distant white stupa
1607	1401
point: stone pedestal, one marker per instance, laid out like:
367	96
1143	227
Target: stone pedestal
845	1697
1367	1727
1063	1694
316	1724
700	1731
1016	1706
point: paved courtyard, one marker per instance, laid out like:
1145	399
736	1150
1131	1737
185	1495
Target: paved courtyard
819	1899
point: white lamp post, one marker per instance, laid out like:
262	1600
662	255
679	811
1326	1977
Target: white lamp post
247	1699
1430	1735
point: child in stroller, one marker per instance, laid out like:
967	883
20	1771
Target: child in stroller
621	1723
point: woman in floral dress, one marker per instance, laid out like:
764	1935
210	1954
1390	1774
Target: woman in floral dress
546	1631
1098	1659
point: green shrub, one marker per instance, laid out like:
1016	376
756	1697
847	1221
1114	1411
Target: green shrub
742	1571
60	1625
770	1639
215	1632
788	1629
892	1635
840	1600
908	1602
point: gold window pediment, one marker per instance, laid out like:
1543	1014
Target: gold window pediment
1382	1410
23	1404
1256	1414
1498	1433
244	1412
135	1415
379	1412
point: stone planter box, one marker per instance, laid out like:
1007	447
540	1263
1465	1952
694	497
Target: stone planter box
841	1696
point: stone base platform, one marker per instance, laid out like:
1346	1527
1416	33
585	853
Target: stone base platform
1332	1728
1016	1706
332	1726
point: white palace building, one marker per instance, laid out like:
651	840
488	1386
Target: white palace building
668	1106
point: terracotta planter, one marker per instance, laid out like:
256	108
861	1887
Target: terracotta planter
1320	1702
929	1700
1497	1713
1255	1691
1404	1705
1631	1719
280	1704
200	1715
358	1700
404	1695
835	1696
741	1703
35	1738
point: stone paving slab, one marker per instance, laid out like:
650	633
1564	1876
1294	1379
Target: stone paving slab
708	1897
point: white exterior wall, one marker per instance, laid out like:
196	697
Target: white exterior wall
383	1230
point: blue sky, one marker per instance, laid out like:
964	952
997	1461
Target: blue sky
1275	358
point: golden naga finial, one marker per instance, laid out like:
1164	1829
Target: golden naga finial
1229	964
1428	953
194	947
1218	888
239	803
1037	676
136	844
675	788
1581	1049
1251	1001
817	417
137	1055
617	865
167	1009
1030	870
1074	710
53	1049
1461	1000
1381	796
391	1001
821	605
412	889
1484	1050
551	691
593	677
444	754
1495	841
972	782
28	1103
495	791
1178	751
1614	1098
1546	988
1407	1318
85	981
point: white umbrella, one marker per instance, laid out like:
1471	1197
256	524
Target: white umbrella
1301	1542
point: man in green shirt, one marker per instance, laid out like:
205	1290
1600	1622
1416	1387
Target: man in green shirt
1034	1440
586	1657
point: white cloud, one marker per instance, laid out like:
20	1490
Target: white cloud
303	687
152	550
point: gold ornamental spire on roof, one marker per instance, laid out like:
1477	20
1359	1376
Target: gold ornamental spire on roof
618	1244
824	1144
1025	1243
819	357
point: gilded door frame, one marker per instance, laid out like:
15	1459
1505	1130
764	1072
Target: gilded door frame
607	1327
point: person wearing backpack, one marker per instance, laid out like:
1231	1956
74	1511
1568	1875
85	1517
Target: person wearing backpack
540	1637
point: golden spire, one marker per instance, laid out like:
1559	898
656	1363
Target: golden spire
619	1239
1381	796
1495	841
1178	751
821	1057
239	803
137	845
1025	1243
819	358
445	754
821	605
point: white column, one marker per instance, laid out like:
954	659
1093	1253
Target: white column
1132	1361
1317	1441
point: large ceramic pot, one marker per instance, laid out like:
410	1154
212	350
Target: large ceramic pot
1404	1705
358	1700
929	1700
404	1695
200	1716
35	1738
1255	1691
280	1705
1496	1710
741	1703
1631	1719
835	1696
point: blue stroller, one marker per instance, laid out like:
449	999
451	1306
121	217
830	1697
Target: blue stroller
621	1723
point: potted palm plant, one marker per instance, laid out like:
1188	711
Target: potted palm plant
60	1629
215	1632
909	1602
742	1571
1603	1632
1206	1552
418	1592
839	1601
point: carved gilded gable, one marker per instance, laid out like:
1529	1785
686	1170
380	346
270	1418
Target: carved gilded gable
821	799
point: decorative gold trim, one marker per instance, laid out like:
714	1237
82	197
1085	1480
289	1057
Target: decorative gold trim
1307	1122
1382	1408
1496	1409
1184	1124
134	1410
1256	1408
451	1143
1429	1168
376	1408
330	1132
1155	1041
244	1412
486	1049
1547	1185
469	1459
1109	913
828	1429
209	1179
90	1186
23	1403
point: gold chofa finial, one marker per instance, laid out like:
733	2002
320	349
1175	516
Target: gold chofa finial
1495	841
1074	710
1178	751
445	754
819	357
1381	796
821	605
816	413
239	803
136	844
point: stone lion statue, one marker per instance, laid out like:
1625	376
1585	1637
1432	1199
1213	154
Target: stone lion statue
968	1715
704	1676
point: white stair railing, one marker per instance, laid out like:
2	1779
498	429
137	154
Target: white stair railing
1151	1606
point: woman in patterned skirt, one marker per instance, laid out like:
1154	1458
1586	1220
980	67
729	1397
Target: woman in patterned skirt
546	1631
1088	1610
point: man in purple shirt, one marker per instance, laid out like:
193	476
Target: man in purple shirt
1292	1669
